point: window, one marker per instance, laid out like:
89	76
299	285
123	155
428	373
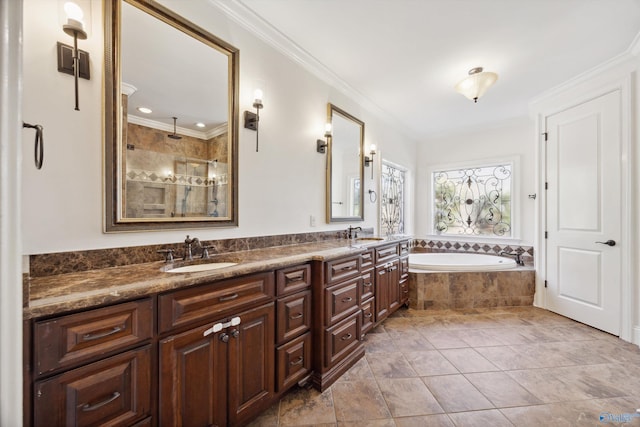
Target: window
392	200
474	201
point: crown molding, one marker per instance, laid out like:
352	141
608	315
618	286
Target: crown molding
154	124
263	30
624	61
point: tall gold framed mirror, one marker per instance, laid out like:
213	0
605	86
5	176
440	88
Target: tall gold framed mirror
345	167
171	121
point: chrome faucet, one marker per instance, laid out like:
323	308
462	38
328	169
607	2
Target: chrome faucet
352	232
517	256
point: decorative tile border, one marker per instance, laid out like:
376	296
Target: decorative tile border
429	245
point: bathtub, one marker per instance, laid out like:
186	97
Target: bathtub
459	262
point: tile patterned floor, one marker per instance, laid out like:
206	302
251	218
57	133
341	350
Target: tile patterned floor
494	367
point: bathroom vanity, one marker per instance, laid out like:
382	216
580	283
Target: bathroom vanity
136	345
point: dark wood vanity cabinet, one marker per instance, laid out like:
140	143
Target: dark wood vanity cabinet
392	279
94	367
293	326
220	372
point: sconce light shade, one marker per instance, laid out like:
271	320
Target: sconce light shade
474	86
75	28
369	160
321	146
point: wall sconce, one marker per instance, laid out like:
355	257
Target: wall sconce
369	160
251	119
321	146
474	86
71	60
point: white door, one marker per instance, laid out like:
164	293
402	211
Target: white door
583	174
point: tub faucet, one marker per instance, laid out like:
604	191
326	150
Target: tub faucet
352	232
188	242
516	255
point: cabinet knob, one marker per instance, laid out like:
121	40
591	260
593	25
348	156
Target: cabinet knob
235	333
224	337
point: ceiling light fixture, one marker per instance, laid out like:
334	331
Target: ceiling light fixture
474	86
145	110
200	124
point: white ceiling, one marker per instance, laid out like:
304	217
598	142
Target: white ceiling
405	56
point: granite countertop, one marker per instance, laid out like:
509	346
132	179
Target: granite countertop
72	291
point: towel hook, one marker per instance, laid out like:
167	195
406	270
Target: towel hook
38	152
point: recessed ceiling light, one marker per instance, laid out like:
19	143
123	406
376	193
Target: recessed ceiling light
200	124
145	110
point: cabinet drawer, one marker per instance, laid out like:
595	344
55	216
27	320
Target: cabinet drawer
341	300
367	290
294	361
69	340
342	339
387	253
368	308
294	279
404	268
367	260
341	269
294	315
213	301
404	248
113	391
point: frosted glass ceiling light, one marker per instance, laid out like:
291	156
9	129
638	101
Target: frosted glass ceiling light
474	86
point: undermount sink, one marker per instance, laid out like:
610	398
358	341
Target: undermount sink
364	239
201	267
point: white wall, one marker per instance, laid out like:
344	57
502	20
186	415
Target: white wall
280	187
513	139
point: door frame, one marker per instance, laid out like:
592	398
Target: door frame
584	89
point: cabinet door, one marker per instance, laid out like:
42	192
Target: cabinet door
395	297
251	364
115	391
193	379
382	293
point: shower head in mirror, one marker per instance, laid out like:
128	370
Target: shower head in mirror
174	135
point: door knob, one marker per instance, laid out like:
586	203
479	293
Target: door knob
608	242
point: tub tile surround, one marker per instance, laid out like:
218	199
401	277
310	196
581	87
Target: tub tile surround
456	290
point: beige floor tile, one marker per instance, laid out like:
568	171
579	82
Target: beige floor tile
359	371
378	343
429	363
411	342
480	337
468	360
491	417
501	389
408	397
440	420
368	423
506	358
358	401
390	365
445	338
456	394
600	381
549	385
303	407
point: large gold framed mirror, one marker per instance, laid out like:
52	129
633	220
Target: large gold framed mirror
171	121
345	167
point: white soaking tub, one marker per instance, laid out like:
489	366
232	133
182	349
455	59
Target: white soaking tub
459	262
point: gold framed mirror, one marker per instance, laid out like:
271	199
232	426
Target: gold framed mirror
171	121
345	167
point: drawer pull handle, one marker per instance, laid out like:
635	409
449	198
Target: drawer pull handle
295	316
87	408
346	337
295	277
367	285
298	361
92	337
229	297
347	299
347	268
368	315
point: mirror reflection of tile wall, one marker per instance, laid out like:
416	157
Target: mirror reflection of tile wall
160	184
